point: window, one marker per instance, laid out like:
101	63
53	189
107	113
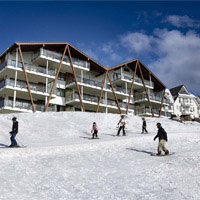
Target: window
60	92
126	70
61	77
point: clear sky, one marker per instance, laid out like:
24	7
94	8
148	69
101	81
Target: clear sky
165	36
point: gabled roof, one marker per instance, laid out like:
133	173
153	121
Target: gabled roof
56	46
144	68
181	89
59	46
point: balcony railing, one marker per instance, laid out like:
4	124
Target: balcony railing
124	105
140	97
57	56
167	114
86	81
186	111
29	67
117	76
147	111
142	111
186	103
23	85
95	99
98	84
23	105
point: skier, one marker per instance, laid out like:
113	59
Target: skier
121	124
162	135
14	133
94	131
144	126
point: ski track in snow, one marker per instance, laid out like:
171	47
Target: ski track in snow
65	164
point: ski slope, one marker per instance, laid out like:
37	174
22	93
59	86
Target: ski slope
61	162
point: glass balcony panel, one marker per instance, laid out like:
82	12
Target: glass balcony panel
58	56
118	76
24	105
23	85
27	66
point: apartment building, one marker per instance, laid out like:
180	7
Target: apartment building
40	77
185	103
168	108
198	102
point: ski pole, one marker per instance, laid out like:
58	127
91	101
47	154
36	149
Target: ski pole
20	142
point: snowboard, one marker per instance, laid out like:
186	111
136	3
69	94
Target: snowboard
93	138
154	154
13	147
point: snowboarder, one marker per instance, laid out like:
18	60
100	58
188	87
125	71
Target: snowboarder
162	135
121	124
94	131
14	133
144	126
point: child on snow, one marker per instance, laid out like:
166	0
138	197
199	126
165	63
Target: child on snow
144	126
94	131
121	124
162	136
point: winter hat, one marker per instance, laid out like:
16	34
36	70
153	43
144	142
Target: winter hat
14	119
158	124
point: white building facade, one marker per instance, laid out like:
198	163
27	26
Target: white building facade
38	77
185	103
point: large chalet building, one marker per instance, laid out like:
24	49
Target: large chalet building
40	77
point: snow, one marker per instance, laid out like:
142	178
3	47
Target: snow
61	162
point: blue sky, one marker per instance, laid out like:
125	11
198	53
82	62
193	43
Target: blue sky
165	36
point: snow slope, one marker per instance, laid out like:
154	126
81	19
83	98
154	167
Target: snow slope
61	162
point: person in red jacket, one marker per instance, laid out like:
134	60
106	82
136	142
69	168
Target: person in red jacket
162	136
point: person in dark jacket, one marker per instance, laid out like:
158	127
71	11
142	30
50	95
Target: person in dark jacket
14	133
144	126
162	136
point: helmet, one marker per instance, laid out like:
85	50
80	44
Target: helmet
158	124
14	119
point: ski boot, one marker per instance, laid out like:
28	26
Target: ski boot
166	152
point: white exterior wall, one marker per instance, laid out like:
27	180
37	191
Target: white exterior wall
58	101
191	110
60	84
91	75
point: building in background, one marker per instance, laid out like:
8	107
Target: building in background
185	103
40	77
168	108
